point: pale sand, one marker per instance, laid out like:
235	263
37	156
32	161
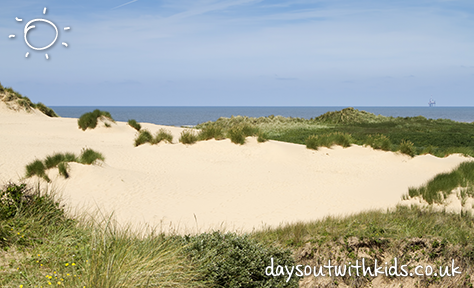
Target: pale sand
217	183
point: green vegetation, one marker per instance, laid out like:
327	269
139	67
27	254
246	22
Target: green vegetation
144	136
163	135
442	185
15	100
211	131
232	260
47	248
188	136
439	137
328	140
133	123
90	119
60	160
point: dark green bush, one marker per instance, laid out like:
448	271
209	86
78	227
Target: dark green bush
188	136
162	135
89	120
144	136
230	260
12	199
133	123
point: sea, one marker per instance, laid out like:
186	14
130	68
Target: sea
191	116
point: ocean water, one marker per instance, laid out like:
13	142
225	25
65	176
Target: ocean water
180	116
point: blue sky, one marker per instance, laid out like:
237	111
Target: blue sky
242	52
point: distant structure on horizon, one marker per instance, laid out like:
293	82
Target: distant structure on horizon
431	103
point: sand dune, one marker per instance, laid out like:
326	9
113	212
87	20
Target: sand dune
212	184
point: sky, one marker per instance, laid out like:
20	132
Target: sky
240	52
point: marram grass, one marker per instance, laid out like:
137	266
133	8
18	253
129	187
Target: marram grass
60	160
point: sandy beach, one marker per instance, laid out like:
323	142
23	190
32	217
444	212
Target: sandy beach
211	184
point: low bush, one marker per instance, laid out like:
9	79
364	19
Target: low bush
188	136
144	136
90	119
12	199
407	147
134	124
163	135
230	260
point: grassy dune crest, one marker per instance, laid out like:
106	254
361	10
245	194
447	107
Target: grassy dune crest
16	101
442	185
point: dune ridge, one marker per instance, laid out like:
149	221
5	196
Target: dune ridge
211	184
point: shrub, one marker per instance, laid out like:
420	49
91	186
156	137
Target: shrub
2	89
210	131
89	156
230	260
46	110
89	120
133	123
144	136
37	168
12	199
162	135
407	147
188	136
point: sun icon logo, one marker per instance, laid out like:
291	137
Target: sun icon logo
29	27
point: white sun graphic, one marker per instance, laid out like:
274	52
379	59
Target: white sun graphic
28	27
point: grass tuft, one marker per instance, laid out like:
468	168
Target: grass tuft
89	156
144	136
188	136
37	168
162	135
133	123
90	119
407	147
328	140
211	131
